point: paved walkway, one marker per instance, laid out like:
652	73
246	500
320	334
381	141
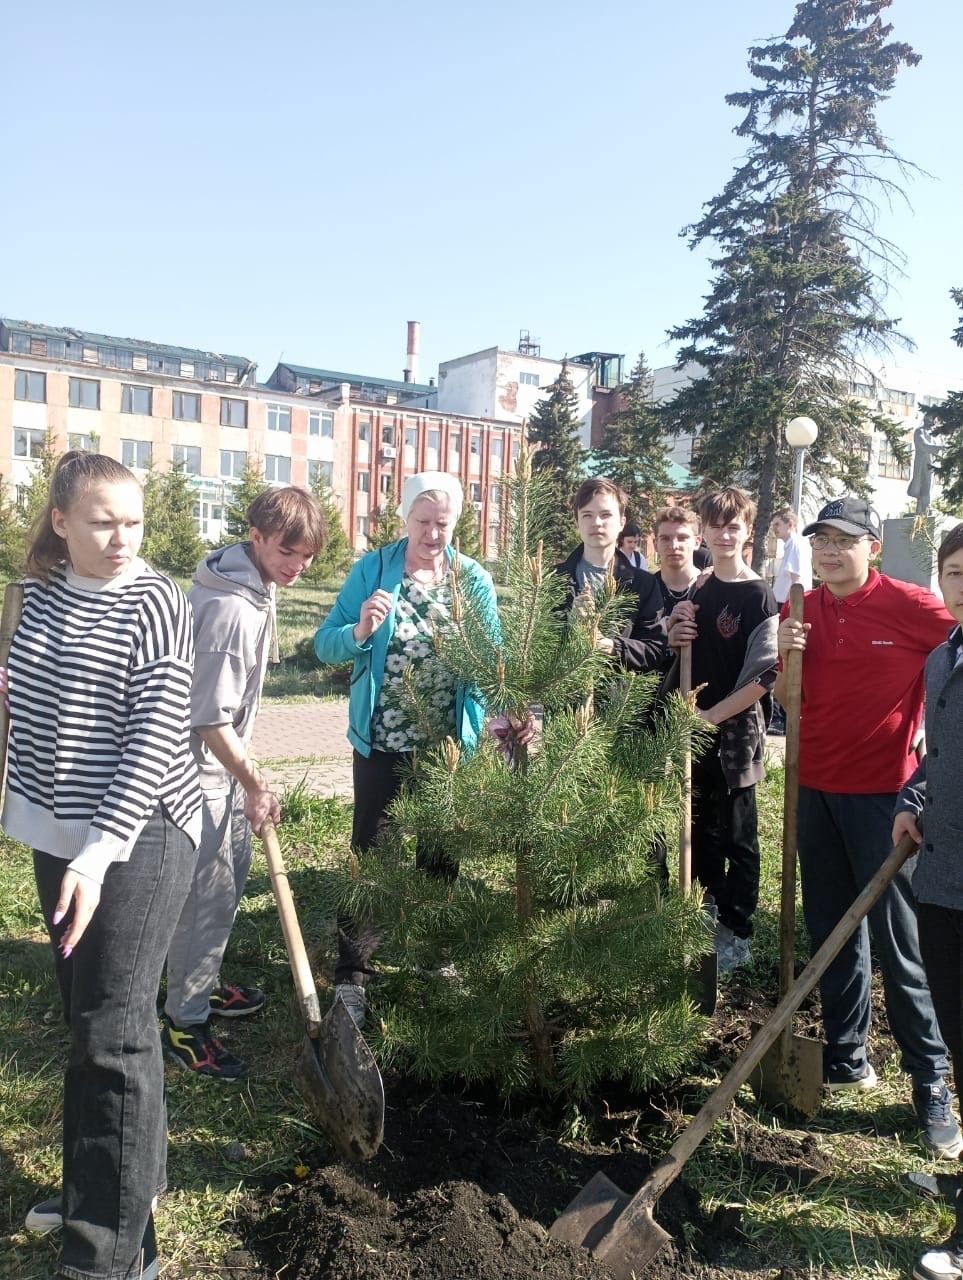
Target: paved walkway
306	741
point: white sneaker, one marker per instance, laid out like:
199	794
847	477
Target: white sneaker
354	1000
48	1216
944	1263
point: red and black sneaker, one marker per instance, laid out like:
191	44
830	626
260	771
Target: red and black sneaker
195	1049
229	1001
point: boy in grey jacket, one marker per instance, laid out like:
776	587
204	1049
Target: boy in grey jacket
930	810
234	638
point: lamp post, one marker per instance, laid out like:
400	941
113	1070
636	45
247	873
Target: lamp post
801	433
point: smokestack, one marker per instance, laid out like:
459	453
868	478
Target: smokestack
414	338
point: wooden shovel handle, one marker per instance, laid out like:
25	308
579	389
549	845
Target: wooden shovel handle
9	621
293	940
670	1166
685	834
790	808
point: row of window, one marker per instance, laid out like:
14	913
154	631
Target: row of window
888	395
26	344
433	440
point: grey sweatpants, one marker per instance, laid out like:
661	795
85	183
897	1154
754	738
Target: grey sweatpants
202	933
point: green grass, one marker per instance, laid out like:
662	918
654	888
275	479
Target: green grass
850	1217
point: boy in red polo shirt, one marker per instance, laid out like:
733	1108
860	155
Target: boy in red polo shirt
866	639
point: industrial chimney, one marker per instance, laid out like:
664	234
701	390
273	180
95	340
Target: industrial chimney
414	339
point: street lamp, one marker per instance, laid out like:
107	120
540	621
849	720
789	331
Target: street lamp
801	433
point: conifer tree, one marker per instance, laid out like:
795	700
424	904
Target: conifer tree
385	524
12	541
171	540
32	496
800	270
561	459
632	451
251	485
336	556
552	960
949	415
466	534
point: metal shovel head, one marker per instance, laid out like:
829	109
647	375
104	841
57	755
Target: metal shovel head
790	1074
339	1080
592	1221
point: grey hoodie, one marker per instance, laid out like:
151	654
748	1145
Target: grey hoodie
234	639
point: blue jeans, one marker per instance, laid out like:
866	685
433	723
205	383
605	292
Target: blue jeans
115	1121
843	841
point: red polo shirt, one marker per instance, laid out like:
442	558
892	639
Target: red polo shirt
862	690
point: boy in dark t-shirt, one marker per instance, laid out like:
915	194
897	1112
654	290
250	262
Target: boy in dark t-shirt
730	621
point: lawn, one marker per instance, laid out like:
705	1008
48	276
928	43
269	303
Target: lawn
840	1211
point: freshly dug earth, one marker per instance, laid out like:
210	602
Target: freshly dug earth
463	1190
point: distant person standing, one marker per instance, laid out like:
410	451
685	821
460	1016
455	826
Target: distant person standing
630	544
796	565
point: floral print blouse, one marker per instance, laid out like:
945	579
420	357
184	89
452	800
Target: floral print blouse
396	726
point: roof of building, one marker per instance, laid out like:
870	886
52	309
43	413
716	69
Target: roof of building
356	379
132	344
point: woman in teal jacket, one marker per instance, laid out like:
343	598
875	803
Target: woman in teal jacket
384	619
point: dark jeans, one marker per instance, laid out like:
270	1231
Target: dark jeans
115	1121
377	780
725	844
941	946
843	841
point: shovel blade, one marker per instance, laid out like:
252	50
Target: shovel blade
340	1082
592	1221
790	1074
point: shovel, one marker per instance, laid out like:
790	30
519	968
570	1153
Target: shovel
704	981
791	1073
620	1230
336	1074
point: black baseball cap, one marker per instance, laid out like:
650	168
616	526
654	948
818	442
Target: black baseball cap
849	515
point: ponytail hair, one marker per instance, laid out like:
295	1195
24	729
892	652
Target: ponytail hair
73	475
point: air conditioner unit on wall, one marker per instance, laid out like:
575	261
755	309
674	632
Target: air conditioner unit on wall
389	451
476	506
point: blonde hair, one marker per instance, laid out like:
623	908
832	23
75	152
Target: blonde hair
73	475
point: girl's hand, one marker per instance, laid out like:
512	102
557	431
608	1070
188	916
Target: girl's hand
83	894
4	686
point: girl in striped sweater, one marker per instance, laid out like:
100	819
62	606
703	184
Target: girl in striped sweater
103	786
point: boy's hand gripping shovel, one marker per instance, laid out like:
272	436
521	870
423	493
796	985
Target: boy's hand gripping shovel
336	1073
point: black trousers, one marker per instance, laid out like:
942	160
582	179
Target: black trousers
941	946
725	843
377	780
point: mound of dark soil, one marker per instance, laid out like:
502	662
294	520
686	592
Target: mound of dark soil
466	1191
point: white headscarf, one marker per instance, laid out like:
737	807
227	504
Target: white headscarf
424	482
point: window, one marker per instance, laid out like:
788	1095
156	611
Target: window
434	439
411	437
187	406
495	496
86	442
135	454
363	526
364	430
454	444
136	400
474	492
387	435
116	358
277	469
233	462
861	389
164	364
386	483
30	386
234	413
321	424
84	393
474	445
320	471
497	446
364	482
907	398
20	344
889	468
528	379
279	418
516	449
28	444
187	457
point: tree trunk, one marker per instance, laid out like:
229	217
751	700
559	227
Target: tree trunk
766	498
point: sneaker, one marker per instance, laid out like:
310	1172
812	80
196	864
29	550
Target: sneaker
735	955
354	1000
941	1186
229	1001
48	1216
195	1049
944	1263
934	1110
724	938
842	1078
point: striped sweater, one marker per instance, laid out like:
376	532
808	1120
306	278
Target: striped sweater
100	682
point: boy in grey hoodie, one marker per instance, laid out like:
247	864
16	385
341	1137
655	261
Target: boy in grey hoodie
234	639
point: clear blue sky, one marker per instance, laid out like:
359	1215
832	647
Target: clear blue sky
303	177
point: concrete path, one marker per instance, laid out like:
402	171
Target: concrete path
306	741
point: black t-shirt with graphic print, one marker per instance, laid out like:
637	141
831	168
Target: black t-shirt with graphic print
729	613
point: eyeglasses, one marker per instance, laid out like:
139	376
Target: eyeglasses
820	541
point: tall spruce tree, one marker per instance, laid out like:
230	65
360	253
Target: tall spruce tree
171	540
632	451
251	485
795	304
336	556
949	416
561	459
466	534
385	524
553	959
